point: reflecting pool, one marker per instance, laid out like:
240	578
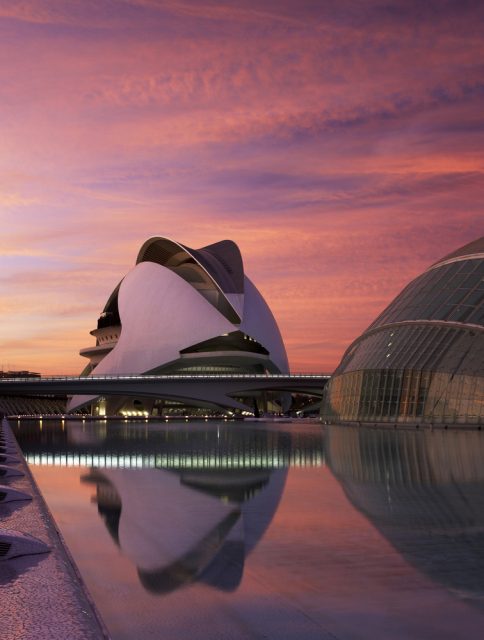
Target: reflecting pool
251	530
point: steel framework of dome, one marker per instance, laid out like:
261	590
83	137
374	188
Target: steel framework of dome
422	359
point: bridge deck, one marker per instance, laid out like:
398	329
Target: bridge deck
215	389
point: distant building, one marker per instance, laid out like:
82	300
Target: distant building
19	374
29	405
182	310
422	359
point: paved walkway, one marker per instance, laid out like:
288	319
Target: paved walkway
41	596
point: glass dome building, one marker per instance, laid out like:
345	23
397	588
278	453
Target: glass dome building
422	360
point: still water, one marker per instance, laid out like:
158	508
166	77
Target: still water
282	531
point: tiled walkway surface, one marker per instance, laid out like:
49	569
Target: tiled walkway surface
41	595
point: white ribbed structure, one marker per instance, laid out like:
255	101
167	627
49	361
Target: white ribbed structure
175	300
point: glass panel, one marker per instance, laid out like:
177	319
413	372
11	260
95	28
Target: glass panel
461	313
477	317
419	396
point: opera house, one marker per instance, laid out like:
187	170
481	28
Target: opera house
422	360
182	311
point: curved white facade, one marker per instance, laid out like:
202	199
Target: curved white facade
184	310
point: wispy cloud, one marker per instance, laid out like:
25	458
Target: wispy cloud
340	144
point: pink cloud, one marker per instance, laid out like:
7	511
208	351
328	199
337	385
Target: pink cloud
341	149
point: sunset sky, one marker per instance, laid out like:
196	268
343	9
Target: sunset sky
339	143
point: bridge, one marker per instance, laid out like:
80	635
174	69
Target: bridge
211	389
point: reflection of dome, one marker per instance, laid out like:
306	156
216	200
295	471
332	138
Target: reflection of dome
424	491
192	526
421	361
182	310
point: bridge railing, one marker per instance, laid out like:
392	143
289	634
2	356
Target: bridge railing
198	376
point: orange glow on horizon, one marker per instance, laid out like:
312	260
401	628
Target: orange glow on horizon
313	137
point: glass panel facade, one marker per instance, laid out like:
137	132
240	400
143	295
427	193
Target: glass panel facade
414	364
407	395
450	292
418	346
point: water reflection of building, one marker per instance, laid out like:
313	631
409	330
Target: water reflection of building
181	527
185	502
424	491
422	359
196	446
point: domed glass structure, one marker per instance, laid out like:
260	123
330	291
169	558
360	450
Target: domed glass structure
422	359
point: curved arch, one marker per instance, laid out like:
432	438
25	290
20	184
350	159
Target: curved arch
215	271
112	303
474	249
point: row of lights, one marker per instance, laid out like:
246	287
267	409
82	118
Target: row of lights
135	413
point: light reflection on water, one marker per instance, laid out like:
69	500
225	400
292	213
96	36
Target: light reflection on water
193	445
278	531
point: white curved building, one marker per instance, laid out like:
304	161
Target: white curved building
181	310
